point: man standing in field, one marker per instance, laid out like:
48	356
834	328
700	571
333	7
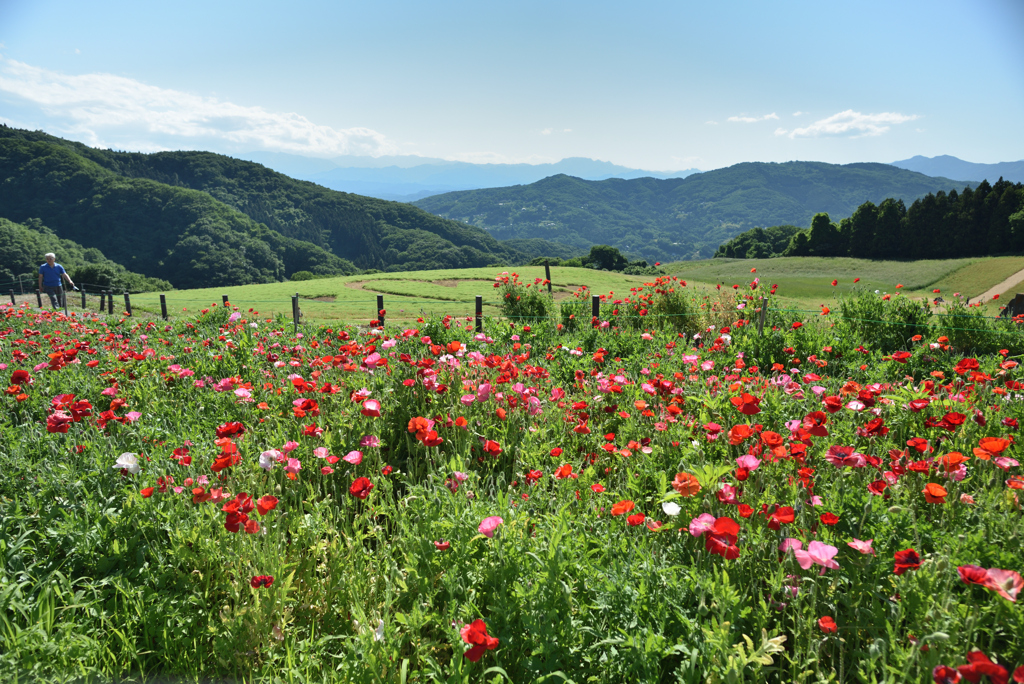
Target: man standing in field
51	279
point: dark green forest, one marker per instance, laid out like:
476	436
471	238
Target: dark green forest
21	252
982	221
679	218
200	219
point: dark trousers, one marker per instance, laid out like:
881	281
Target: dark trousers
56	293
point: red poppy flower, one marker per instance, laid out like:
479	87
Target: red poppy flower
833	404
979	664
635	519
814	424
360	488
230	429
266	504
829	518
827	625
146	493
442	545
720	539
746	404
973	574
739	433
906	560
943	674
261	581
782	516
624	506
597	488
475	634
934	493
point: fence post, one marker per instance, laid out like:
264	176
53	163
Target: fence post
547	274
760	320
295	311
39	298
380	310
595	308
224	299
163	306
12	298
83	296
110	301
479	313
127	303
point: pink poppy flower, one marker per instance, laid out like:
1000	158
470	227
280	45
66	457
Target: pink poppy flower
817	553
862	546
353	457
489	525
701	524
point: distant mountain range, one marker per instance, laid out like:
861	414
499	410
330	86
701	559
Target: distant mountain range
408	178
951	167
680	218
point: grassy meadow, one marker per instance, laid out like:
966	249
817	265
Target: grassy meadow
804	283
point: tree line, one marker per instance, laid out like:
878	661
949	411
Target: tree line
983	221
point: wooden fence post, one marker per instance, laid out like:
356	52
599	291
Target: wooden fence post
224	299
163	306
12	298
760	320
39	298
479	313
110	302
380	310
595	308
83	296
547	274
295	311
127	303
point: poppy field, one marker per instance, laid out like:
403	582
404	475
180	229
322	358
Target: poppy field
659	494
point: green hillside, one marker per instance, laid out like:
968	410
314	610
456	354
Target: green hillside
22	248
679	218
202	219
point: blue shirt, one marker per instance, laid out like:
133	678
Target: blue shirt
52	276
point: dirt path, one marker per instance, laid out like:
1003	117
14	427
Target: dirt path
1016	279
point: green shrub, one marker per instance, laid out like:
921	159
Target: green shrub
881	322
526	303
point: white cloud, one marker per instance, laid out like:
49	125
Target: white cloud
109	110
852	124
567	130
547	131
752	119
798	113
711	123
781	131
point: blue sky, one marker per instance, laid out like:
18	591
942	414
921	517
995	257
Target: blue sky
654	85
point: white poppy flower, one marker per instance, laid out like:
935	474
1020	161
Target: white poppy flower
670	508
129	462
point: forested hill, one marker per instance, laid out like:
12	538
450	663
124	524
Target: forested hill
679	218
197	218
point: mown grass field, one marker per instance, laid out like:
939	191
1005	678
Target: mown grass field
407	295
804	283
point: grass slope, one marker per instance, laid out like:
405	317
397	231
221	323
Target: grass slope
407	295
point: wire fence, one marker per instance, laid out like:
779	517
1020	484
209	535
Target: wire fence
599	308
